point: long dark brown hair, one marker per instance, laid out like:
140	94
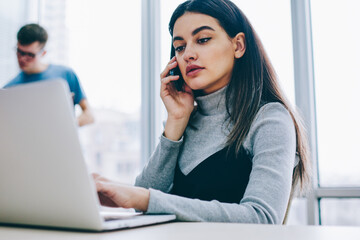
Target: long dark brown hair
253	80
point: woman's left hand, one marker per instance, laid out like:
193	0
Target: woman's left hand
113	194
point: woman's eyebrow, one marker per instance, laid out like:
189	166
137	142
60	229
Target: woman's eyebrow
197	30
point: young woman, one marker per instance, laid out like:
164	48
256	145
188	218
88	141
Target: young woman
232	149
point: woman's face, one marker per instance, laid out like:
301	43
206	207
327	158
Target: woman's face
204	52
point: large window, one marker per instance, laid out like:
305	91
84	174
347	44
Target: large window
105	50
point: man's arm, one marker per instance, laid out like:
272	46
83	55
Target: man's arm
86	117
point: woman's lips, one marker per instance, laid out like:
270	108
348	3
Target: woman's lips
192	70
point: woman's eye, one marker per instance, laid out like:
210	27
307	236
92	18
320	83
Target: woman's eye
179	49
203	40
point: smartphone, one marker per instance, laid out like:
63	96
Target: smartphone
178	84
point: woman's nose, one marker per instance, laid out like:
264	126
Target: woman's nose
190	53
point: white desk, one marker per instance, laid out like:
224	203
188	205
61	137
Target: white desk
189	231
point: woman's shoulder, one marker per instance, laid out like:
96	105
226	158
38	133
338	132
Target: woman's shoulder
272	109
273	120
273	113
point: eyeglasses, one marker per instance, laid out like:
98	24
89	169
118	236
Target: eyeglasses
28	55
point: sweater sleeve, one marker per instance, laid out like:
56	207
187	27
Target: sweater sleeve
160	169
272	142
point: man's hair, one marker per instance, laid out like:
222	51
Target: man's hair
31	33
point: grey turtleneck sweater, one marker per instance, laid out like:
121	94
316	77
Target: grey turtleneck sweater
271	141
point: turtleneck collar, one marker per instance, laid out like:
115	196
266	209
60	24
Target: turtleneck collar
207	130
213	103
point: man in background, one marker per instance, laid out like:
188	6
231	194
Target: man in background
32	39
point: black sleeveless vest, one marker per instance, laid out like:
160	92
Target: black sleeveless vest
222	177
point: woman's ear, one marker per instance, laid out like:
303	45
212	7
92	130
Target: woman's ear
239	45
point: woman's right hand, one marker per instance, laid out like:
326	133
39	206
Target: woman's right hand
113	194
178	104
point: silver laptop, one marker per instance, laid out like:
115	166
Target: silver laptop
43	176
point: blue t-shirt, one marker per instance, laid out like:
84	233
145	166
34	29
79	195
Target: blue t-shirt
52	72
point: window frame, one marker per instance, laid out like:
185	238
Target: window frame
150	82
